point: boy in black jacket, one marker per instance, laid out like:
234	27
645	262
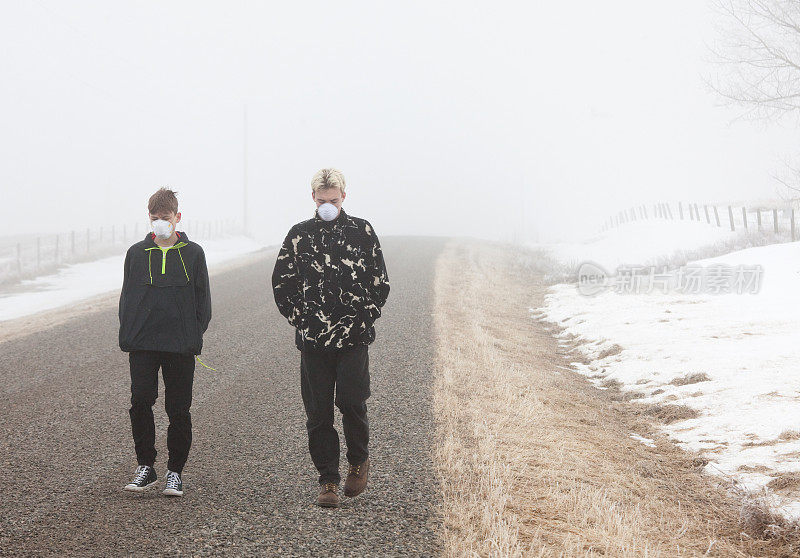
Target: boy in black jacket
164	309
330	282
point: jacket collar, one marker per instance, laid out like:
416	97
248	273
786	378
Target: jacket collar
150	239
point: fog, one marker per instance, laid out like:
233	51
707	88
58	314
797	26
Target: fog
512	121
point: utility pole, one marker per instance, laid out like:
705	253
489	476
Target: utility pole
245	227
522	210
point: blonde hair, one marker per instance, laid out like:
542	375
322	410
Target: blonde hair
326	179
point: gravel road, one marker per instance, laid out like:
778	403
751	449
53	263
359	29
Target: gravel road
66	449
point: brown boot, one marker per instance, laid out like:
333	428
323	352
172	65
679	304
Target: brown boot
327	495
356	480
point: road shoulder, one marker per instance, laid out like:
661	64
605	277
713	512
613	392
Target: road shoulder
533	459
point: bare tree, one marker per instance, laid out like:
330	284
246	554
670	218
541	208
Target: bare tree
790	179
759	47
759	53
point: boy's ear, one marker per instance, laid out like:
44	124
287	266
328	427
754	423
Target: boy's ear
178	217
344	195
313	195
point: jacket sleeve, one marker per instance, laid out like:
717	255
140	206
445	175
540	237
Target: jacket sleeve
126	279
379	278
202	291
287	285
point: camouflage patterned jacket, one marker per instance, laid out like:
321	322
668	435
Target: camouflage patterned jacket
330	282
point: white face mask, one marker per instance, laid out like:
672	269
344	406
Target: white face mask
162	229
327	211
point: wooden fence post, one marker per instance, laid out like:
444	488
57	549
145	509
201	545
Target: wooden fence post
775	219
730	216
708	219
744	217
669	212
758	218
716	215
680	210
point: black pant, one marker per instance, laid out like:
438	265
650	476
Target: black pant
348	371
178	372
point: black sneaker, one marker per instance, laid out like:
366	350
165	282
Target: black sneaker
145	477
174	484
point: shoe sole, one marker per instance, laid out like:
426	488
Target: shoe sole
172	492
356	494
328	505
134	488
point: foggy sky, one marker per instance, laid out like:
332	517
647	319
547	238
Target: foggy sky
446	118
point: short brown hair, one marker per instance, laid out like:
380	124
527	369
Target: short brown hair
163	201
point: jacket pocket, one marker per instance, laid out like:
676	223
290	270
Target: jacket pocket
188	341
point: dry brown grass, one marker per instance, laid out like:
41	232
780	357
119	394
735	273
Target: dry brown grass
690	379
669	413
611	351
535	461
758	519
785	481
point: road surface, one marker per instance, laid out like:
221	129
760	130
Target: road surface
66	448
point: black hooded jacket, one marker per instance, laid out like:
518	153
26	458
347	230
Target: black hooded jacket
165	303
330	282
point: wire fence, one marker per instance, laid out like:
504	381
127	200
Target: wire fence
778	220
34	255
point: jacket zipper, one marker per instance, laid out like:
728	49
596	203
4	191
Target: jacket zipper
178	247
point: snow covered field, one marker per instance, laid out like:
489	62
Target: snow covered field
733	359
645	242
80	281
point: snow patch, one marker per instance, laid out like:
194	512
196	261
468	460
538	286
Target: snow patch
733	358
76	282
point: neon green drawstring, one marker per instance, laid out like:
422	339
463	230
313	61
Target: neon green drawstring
184	265
204	364
177	246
